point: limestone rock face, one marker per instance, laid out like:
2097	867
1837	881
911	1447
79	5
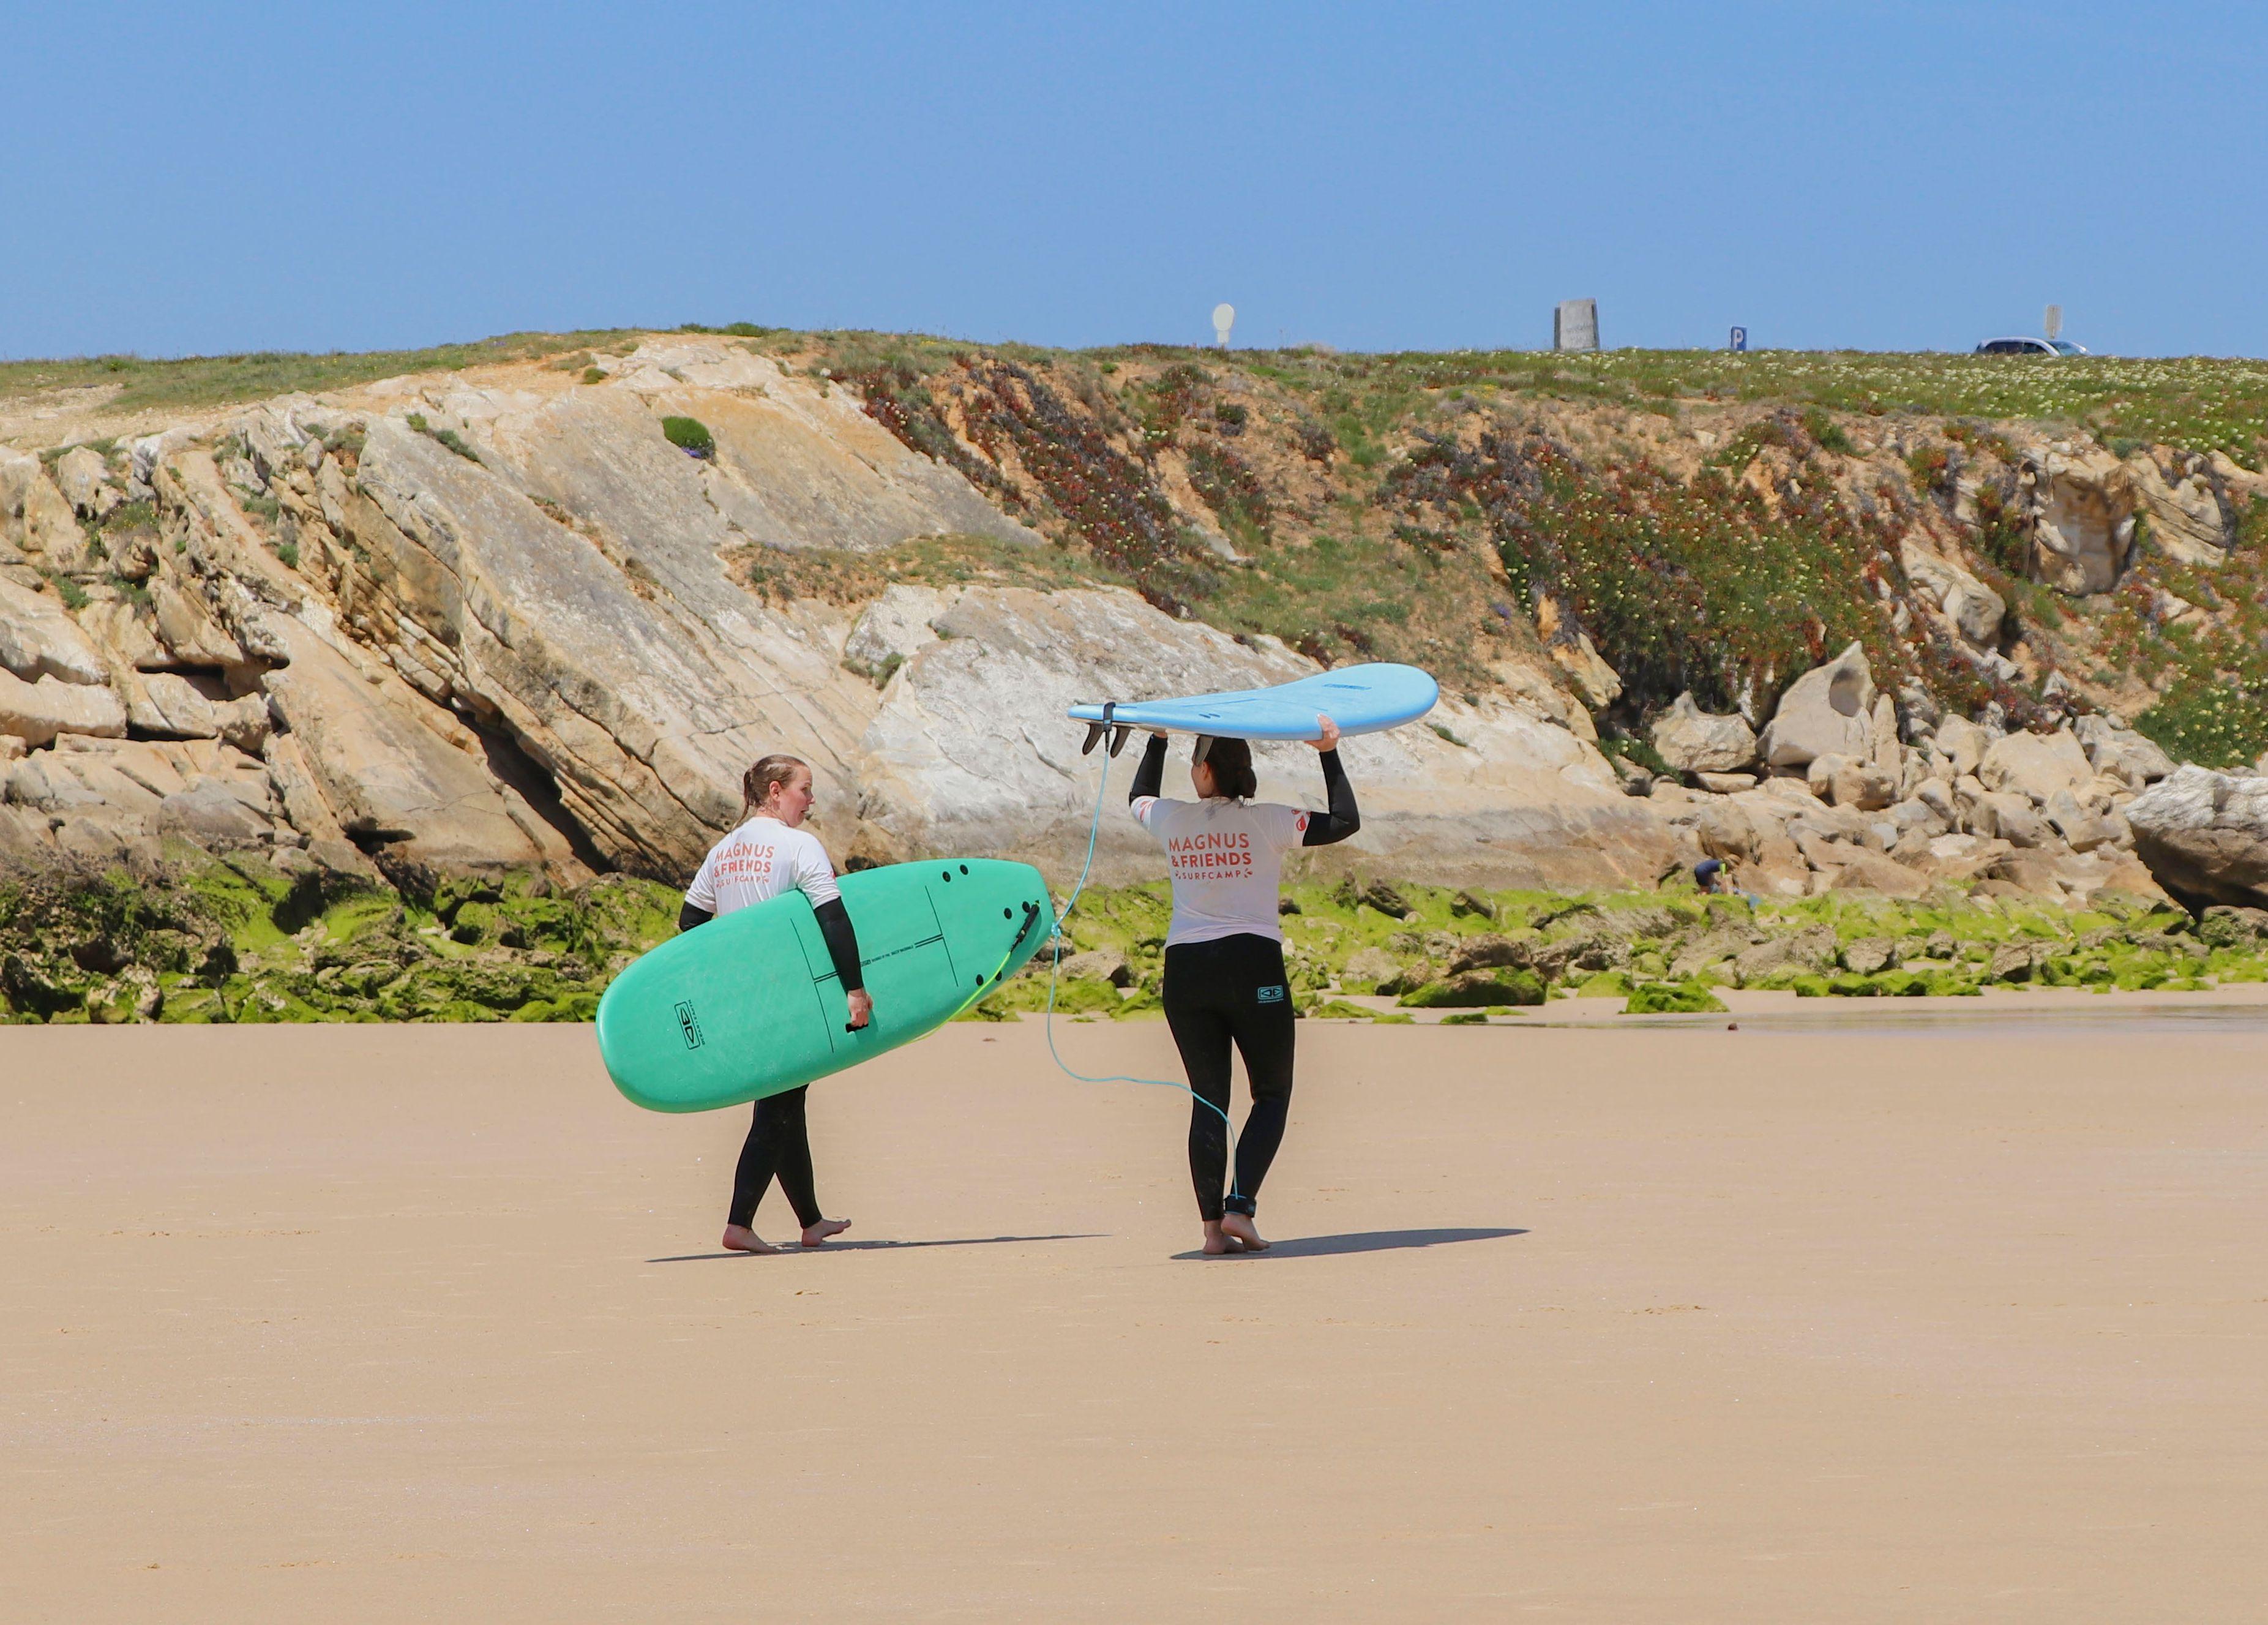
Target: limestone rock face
1692	740
38	639
792	468
36	520
556	640
1827	710
970	748
643	708
2083	519
105	800
2188	519
2205	835
894	627
389	776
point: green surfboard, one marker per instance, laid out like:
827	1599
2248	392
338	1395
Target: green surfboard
749	1005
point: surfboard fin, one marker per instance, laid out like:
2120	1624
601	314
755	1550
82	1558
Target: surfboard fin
1096	730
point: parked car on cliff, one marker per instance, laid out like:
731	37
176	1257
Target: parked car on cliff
2031	347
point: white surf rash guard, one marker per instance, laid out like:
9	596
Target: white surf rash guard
757	862
1227	860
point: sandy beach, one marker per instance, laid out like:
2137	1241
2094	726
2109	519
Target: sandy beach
1968	1321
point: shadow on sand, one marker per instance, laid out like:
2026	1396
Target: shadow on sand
874	1246
1359	1241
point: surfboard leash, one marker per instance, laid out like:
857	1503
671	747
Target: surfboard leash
1056	936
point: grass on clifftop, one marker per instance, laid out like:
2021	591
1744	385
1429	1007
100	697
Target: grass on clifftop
2197	402
219	380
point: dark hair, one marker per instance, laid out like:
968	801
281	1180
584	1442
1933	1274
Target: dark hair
756	784
1231	761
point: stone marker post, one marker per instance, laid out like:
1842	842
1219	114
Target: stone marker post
1575	325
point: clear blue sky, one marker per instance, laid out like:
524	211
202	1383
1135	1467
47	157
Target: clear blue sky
193	179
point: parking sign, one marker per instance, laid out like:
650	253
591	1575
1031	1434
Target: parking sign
1739	338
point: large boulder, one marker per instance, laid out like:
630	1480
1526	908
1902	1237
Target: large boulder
38	639
2036	767
191	638
36	712
1857	870
1962	744
1973	609
1826	710
2122	753
2205	835
1571	649
1840	781
82	476
1694	741
164	706
1812	949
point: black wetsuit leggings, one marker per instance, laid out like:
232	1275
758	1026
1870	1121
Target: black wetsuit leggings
777	1143
1232	990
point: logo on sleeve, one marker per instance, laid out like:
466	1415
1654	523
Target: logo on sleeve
1271	995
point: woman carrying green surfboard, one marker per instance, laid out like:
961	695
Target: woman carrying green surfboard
771	852
1224	982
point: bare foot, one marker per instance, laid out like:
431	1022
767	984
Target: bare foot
740	1238
1216	1242
819	1232
1239	1228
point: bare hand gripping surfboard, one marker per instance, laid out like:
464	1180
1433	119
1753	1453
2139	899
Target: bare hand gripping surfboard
1361	699
749	1005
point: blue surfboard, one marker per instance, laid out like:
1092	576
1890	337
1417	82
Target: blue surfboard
1361	699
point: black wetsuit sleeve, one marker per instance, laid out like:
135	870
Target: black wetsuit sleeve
689	917
1342	819
1150	776
842	943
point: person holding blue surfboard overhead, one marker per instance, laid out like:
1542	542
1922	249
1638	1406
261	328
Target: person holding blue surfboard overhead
1224	984
770	854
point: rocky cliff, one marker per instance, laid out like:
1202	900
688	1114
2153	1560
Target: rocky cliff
536	615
